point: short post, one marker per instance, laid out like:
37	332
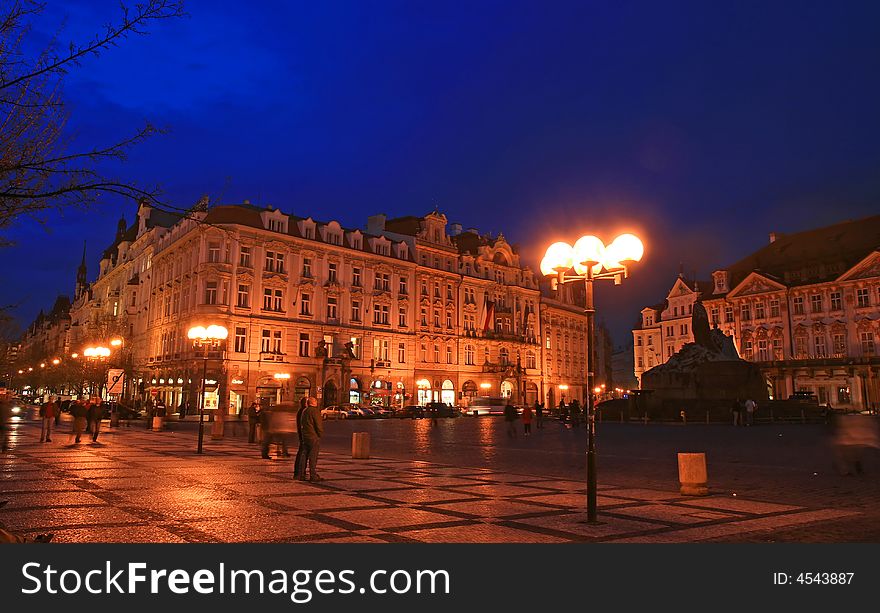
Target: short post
157	423
360	445
692	474
684	418
803	417
707	416
646	418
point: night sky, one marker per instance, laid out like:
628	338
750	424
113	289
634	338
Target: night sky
702	126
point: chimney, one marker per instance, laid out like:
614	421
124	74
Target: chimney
722	282
376	223
454	229
773	237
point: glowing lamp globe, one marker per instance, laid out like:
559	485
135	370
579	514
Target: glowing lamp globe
558	257
625	248
588	249
217	332
197	333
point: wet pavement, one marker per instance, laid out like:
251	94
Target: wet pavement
459	480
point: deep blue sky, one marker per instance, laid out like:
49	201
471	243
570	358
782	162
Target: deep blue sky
701	125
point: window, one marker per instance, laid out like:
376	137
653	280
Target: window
305	304
449	319
213	252
728	314
774	307
307	268
240	343
304	344
839	344
380	349
816	303
819	346
449	354
167	311
276	341
329	341
403	289
675	312
244	257
331	308
531	361
401	317
760	310
670	330
867	340
276	225
382	281
211	292
777	349
401	353
504	356
862	298
716	318
469	296
355	310
436	353
684	329
380	314
747	350
800	347
424	288
640	362
334	239
267	299
265	340
436	318
745	312
356	277
331	273
836	304
274	261
424	316
638	341
436	289
244	296
449	291
469	355
423	351
356	347
798	305
649	320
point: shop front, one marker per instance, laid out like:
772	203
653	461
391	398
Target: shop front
447	393
424	392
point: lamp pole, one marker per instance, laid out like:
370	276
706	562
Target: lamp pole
202	403
205	338
591	259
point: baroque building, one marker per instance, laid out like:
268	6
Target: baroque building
805	308
407	311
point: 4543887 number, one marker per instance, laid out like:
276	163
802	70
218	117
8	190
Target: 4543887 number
817	578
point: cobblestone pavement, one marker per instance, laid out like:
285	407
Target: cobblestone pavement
141	486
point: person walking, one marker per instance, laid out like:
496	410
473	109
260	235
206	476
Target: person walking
79	411
48	412
574	409
253	415
539	414
527	420
736	410
95	414
265	434
312	430
510	416
750	406
563	413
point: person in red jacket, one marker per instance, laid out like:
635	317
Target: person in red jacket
527	420
48	412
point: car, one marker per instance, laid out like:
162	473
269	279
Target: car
411	410
440	409
334	412
367	412
382	412
484	405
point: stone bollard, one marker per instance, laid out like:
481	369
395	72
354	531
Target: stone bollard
684	418
157	424
114	419
692	474
360	445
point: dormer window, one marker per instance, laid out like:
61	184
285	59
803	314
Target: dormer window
276	225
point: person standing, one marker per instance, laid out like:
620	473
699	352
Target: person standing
575	410
539	414
79	411
527	420
510	418
736	409
265	434
95	414
563	413
48	412
253	416
298	470
312	430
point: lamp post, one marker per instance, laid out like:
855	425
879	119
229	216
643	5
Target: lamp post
205	338
95	356
588	260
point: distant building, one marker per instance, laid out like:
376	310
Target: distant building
806	308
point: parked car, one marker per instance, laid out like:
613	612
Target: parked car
411	411
334	412
367	412
440	409
382	412
484	405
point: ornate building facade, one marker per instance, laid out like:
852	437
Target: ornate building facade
408	311
806	308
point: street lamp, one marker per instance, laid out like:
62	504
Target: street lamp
283	379
587	260
205	338
95	355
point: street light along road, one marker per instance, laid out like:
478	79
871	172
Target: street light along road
205	338
587	260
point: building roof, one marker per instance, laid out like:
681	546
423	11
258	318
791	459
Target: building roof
812	256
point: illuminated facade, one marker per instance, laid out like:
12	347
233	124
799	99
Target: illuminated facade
806	308
408	311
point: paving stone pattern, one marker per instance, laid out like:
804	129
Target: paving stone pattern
141	486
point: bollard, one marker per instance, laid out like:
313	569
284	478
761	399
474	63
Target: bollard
114	419
621	415
360	445
707	416
684	418
646	418
803	417
157	424
692	474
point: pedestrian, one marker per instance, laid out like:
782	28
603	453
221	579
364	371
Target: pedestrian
238	423
48	412
510	417
5	420
265	435
79	411
736	410
253	415
539	414
575	409
527	420
278	427
95	414
61	406
312	430
750	411
563	414
298	469
150	412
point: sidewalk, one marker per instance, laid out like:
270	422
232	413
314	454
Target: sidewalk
141	486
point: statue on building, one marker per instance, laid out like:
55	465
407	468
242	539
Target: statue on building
349	351
321	349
